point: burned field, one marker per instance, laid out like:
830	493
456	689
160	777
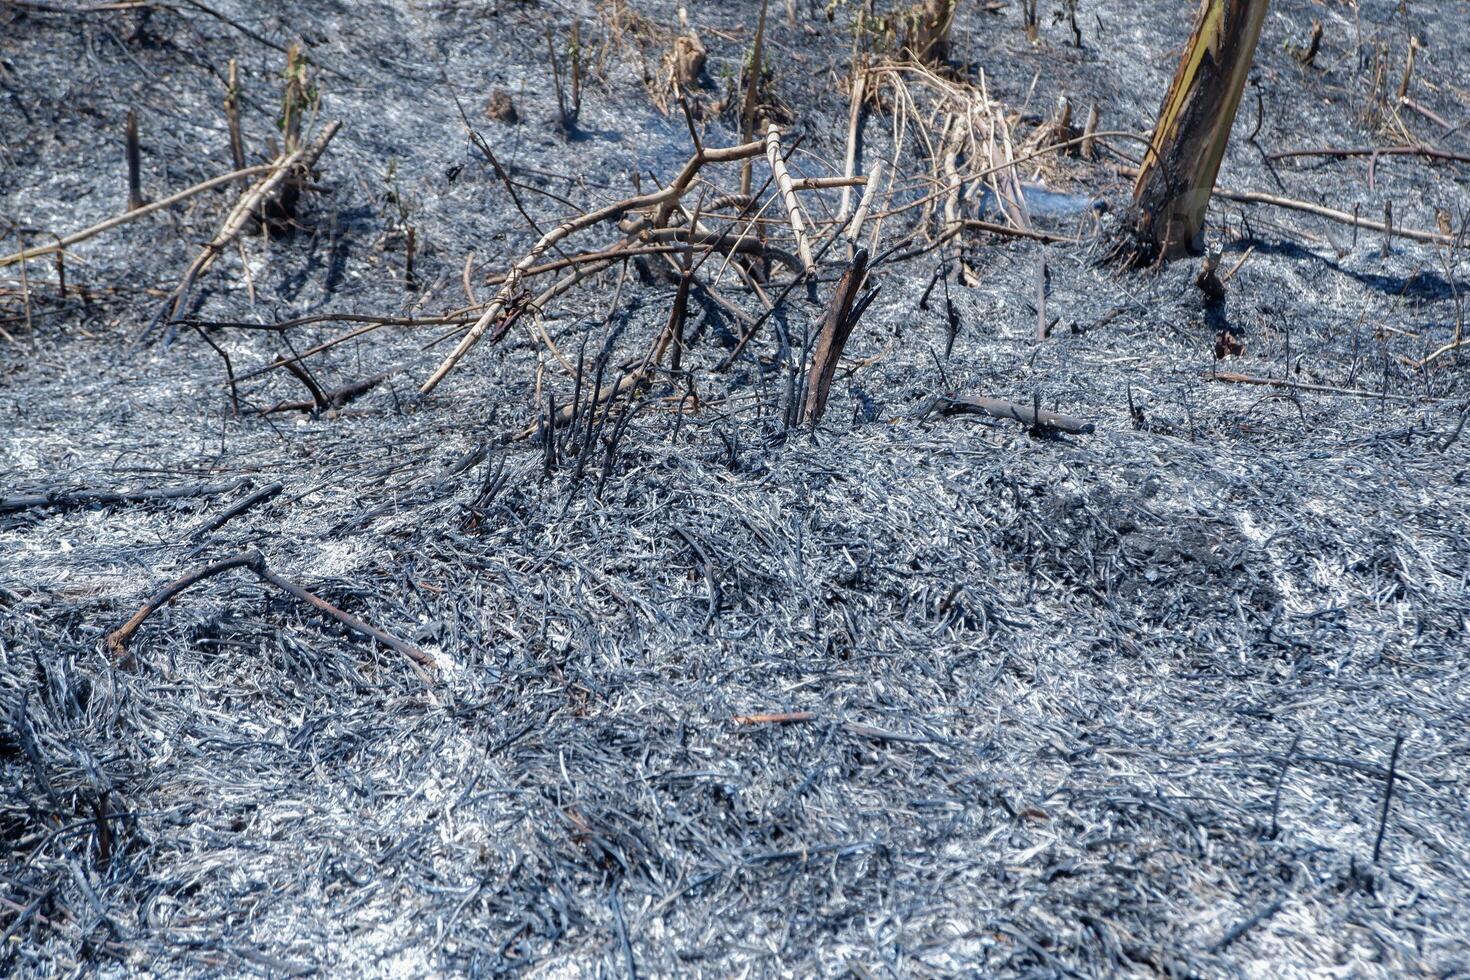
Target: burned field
918	587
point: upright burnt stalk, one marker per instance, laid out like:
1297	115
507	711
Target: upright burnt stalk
1179	168
135	183
928	30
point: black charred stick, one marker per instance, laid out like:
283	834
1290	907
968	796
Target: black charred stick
118	638
410	280
318	397
255	562
569	436
346	619
260	496
678	314
1245	926
331	399
1043	275
135	180
997	408
1393	768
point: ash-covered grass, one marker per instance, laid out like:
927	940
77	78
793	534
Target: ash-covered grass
1121	703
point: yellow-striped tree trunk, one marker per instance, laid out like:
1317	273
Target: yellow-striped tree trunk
1174	184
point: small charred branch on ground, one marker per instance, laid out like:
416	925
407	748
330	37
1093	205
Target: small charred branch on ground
1245	379
775	718
842	315
254	561
996	408
63	499
264	494
324	401
66	241
1172	192
1420	150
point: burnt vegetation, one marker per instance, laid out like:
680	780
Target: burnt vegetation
624	487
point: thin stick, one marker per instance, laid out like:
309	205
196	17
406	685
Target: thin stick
232	115
1042	328
854	117
998	408
118	638
1428	152
1453	345
469	288
1236	267
752	82
775	718
94	497
1393	768
1256	197
267	492
61	244
255	562
788	197
820	183
1244	379
874	179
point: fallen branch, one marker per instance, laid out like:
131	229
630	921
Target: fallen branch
1245	379
1291	204
265	493
775	718
1429	152
997	408
65	242
96	497
329	399
1256	197
1448	348
1006	231
253	560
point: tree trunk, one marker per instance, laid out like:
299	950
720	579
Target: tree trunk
1179	168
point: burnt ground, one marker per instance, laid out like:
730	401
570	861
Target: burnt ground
1112	703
